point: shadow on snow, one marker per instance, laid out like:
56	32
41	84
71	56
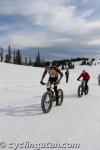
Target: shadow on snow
72	96
29	110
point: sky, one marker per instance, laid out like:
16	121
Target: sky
58	28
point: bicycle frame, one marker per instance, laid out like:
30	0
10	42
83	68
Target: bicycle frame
83	83
50	87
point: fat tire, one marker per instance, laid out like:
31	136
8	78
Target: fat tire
43	102
80	91
60	97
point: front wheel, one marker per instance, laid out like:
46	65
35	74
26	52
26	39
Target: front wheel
46	102
60	97
80	91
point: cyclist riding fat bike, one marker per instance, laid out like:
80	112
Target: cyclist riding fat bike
55	75
85	75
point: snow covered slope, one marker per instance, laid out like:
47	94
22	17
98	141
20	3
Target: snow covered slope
22	123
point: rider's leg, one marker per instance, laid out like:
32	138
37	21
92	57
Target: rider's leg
56	93
86	81
49	84
66	78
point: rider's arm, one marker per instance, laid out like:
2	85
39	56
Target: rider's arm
44	73
81	75
61	75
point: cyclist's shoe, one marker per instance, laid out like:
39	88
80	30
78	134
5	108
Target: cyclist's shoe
42	82
57	102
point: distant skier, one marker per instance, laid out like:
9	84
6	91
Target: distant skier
99	79
67	75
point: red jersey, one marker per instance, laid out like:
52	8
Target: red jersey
84	75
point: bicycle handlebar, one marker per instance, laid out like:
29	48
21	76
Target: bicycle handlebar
80	80
43	83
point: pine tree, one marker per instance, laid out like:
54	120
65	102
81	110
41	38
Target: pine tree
14	58
1	54
9	55
30	62
6	60
25	61
38	57
18	57
38	60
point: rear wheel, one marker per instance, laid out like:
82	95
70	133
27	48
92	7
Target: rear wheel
46	102
60	97
80	91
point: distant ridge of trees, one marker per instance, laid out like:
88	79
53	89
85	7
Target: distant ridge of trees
16	57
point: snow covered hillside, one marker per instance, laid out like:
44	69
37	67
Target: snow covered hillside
23	125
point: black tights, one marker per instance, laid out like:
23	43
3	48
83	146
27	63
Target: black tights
56	92
52	81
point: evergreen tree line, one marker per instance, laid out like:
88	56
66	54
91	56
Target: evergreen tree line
16	57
